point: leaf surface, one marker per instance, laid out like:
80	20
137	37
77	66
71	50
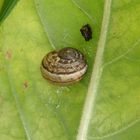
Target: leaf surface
34	109
112	108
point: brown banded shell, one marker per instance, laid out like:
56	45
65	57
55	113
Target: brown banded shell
64	66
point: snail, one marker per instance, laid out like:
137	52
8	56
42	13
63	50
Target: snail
65	66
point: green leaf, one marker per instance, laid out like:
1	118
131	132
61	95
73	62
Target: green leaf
34	109
112	107
5	8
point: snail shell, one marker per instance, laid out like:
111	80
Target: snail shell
64	66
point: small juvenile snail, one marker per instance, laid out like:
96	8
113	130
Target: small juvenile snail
64	66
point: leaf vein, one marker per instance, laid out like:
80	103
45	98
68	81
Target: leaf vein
96	74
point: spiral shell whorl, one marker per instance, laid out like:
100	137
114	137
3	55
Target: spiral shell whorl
62	64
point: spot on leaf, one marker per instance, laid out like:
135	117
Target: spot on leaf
8	55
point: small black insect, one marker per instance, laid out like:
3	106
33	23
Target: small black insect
86	32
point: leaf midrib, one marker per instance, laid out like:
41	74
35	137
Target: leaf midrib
96	74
